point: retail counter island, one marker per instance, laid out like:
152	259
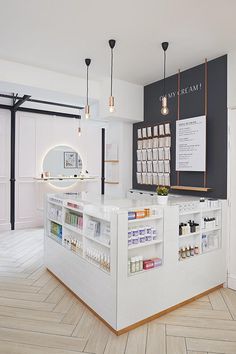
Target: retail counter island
130	260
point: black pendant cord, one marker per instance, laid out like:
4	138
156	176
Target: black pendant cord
111	70
164	73
87	88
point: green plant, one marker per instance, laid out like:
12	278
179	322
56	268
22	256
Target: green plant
162	190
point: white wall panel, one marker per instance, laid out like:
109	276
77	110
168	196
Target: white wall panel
5	125
36	135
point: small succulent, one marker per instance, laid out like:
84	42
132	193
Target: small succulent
162	190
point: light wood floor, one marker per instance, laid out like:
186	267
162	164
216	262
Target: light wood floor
38	315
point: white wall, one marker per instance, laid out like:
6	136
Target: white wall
36	134
231	97
5	124
121	133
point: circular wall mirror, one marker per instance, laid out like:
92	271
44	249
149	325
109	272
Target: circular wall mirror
61	164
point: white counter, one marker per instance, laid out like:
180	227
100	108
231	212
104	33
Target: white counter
97	268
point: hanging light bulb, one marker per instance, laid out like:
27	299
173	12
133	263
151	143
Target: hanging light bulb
87	107
164	106
79	127
112	44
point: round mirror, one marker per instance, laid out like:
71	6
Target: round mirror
61	166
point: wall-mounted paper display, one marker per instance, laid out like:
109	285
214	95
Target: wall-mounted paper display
191	144
155	166
167	179
149	143
144	178
149	154
161	166
153	155
161	154
155	130
167	128
161	141
139	133
139	178
167	153
144	166
161	129
139	144
155	178
139	155
167	166
149	132
139	166
149	166
149	178
144	154
144	132
161	180
155	143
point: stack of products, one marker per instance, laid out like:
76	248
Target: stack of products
141	234
210	223
56	230
137	264
74	220
209	203
93	228
189	251
99	258
55	213
189	227
140	214
73	244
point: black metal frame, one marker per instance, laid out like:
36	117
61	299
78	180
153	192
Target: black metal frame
16	106
103	163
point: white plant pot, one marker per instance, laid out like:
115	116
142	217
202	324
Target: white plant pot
162	199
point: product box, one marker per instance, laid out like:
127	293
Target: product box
157	262
148	264
131	215
140	214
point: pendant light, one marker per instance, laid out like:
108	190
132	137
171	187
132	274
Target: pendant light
87	107
164	107
112	44
79	129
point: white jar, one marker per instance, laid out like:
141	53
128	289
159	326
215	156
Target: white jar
141	263
137	264
132	265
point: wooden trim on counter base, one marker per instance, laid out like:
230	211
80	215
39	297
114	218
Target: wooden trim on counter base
193	189
146	320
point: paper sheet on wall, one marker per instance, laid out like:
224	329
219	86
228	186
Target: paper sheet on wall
191	144
111	152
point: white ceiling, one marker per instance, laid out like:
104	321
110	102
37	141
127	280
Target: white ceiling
59	34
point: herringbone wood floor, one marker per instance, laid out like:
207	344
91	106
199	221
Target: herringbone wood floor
38	315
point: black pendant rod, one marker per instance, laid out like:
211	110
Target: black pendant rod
112	44
87	62
164	47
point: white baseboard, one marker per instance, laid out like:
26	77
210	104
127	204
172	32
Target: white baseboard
232	281
28	224
5	227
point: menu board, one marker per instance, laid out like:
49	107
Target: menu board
191	144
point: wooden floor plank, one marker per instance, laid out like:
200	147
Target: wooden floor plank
85	325
176	345
217	301
214	346
42	339
156	339
19	348
73	316
98	338
136	342
115	344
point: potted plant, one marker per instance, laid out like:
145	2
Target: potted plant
162	195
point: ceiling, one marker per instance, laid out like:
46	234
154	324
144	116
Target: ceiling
59	34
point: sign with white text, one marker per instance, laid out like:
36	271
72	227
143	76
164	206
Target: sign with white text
191	144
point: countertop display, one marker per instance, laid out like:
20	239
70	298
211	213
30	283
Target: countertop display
130	259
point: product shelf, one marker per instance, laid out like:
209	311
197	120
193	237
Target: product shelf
55	238
211	230
73	209
73	228
144	271
190	234
55	221
97	241
145	244
190	212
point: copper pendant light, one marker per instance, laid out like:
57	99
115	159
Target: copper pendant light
112	44
87	107
164	105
